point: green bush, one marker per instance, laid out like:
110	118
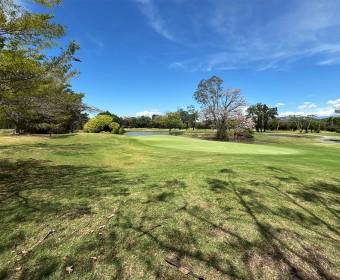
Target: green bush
114	128
121	130
98	124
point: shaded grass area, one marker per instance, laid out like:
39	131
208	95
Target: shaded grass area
114	207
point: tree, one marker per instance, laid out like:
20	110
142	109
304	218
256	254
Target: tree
23	34
193	116
218	105
171	120
302	122
102	123
261	114
184	115
49	103
114	117
242	126
35	92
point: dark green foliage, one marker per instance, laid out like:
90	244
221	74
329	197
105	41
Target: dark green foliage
261	115
35	91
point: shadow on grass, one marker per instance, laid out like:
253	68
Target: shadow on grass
56	149
39	192
143	231
277	253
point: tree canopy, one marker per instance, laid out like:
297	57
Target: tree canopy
219	105
35	91
261	114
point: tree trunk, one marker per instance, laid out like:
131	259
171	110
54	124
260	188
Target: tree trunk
222	132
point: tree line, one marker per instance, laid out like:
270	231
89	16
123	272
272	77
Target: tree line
225	111
35	91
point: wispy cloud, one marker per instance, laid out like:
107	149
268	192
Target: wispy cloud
96	41
155	20
228	35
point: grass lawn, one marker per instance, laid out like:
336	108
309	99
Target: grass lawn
115	207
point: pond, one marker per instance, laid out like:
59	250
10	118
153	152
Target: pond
147	133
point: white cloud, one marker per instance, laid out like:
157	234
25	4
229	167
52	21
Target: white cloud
279	104
228	35
308	108
334	103
306	105
148	113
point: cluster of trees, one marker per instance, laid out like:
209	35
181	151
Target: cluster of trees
305	124
182	118
266	117
261	114
35	91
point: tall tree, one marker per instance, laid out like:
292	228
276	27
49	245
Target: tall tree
35	92
219	105
193	116
261	115
23	34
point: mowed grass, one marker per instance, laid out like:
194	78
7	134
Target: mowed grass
114	207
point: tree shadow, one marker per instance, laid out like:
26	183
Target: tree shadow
35	191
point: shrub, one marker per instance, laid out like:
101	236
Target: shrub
98	124
114	127
121	130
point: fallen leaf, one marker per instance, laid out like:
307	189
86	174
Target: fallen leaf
94	258
69	269
24	252
184	270
17	269
101	227
65	258
111	216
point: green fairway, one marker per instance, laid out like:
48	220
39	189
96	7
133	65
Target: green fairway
115	207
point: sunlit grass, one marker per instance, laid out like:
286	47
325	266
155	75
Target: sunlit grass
118	206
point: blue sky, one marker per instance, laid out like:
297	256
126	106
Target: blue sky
149	55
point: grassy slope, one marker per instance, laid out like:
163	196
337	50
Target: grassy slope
230	211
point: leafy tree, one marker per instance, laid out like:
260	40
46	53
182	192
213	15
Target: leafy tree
188	116
193	116
184	115
23	34
114	117
302	123
101	123
171	120
261	114
218	105
143	122
35	93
